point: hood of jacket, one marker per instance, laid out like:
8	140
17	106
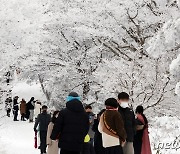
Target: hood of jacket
75	106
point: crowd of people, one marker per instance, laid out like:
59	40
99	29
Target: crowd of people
28	111
116	129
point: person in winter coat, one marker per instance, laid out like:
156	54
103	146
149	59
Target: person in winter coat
129	121
37	109
23	109
91	116
98	147
8	105
52	146
111	126
141	139
43	121
15	108
71	126
30	107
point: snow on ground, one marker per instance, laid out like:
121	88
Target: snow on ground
16	137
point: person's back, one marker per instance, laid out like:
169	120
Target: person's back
142	142
43	121
31	109
71	126
112	128
129	122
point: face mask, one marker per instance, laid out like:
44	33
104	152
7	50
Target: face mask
124	104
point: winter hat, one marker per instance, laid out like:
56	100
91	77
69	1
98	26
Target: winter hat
111	102
73	96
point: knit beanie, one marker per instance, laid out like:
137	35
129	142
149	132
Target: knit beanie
73	96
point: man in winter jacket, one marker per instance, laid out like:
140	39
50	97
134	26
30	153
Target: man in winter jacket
129	122
43	121
72	126
15	108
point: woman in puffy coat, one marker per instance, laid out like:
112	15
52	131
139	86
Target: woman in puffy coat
52	145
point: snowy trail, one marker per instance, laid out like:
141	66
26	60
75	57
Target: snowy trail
16	137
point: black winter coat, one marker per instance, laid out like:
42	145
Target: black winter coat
15	105
71	126
138	139
43	120
98	145
30	105
129	122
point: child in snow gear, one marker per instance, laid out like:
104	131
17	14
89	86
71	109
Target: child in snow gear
52	146
141	139
15	108
129	121
8	105
43	121
23	109
111	126
72	126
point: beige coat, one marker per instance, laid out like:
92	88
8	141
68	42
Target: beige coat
52	145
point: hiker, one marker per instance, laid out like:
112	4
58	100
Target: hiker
52	146
98	146
23	109
15	108
129	121
91	116
43	121
30	108
141	139
8	105
37	109
72	126
111	126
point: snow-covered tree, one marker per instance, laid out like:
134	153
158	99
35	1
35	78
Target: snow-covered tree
74	45
167	41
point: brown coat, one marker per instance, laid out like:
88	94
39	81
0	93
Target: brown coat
23	107
113	124
52	145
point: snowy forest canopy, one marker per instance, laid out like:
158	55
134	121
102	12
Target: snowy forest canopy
95	47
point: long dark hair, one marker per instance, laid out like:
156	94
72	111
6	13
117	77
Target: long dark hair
140	110
53	120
